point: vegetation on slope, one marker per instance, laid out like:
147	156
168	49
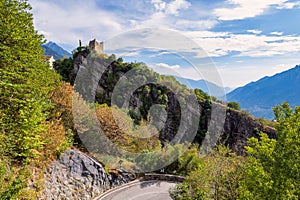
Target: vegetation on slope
31	132
270	171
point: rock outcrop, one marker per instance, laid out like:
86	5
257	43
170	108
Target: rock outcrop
76	175
239	127
235	126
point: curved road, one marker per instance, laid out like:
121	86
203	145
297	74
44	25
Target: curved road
140	190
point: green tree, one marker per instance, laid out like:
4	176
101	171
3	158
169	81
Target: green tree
201	96
216	176
25	85
273	168
26	80
286	173
234	105
65	68
257	182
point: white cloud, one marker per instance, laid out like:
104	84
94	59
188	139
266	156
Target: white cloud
163	17
230	74
241	9
276	33
129	54
221	44
157	20
166	69
176	5
195	25
289	5
164	65
159	5
67	24
171	8
254	31
152	39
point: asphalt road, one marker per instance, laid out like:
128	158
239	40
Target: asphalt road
145	190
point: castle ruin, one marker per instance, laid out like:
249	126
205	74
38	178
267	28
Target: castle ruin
96	46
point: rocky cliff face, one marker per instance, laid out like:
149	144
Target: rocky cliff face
76	175
239	127
235	130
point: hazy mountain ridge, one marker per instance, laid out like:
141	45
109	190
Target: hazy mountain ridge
52	49
206	86
261	96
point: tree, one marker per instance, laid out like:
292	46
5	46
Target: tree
273	171
216	177
257	182
286	173
26	80
234	105
201	96
65	68
26	83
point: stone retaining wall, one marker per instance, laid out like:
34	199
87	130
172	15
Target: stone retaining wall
76	175
164	177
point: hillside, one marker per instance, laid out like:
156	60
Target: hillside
52	49
261	96
237	127
206	86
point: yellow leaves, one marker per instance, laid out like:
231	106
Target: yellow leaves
119	128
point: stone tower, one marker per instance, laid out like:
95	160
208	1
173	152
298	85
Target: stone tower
96	46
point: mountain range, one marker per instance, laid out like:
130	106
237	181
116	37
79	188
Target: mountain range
52	49
210	88
261	96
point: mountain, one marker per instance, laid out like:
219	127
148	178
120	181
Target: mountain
261	96
52	49
206	86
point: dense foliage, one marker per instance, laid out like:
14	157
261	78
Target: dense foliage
215	176
234	105
64	67
26	81
271	170
27	114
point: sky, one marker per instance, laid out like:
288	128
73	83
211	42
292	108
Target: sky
238	40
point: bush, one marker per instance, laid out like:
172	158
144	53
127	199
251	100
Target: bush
234	105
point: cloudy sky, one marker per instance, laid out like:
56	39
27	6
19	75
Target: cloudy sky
244	39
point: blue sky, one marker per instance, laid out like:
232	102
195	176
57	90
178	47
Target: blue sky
244	39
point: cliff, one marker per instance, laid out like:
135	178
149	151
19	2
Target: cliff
235	126
239	127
